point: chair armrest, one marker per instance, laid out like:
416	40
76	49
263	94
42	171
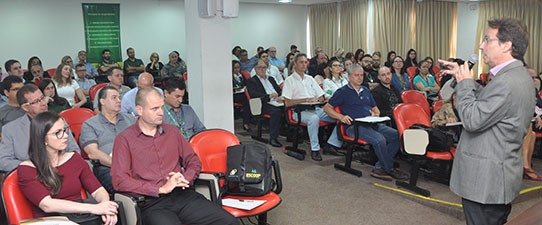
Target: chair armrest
278	178
208	184
130	203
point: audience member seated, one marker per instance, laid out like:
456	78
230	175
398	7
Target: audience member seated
115	77
155	66
339	54
411	59
447	113
529	140
335	80
52	179
128	100
67	87
301	88
289	64
400	78
346	64
98	133
178	114
255	58
349	55
239	82
385	95
313	62
90	69
235	53
3	99
132	67
68	60
429	60
146	151
271	71
266	88
425	82
175	67
246	64
107	62
12	110
370	77
14	145
390	58
84	83
321	58
376	61
323	71
356	101
293	49
358	55
34	63
274	60
13	67
55	103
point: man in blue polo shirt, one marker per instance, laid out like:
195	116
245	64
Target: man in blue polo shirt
356	101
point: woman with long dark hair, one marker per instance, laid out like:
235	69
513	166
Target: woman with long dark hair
425	82
358	55
239	84
54	102
67	87
399	76
52	179
289	60
411	59
389	59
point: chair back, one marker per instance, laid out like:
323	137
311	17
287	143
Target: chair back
437	71
408	114
255	106
411	71
437	105
185	76
211	147
416	97
483	77
16	206
94	89
246	74
51	72
75	119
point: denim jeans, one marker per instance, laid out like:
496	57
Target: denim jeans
385	142
312	118
103	173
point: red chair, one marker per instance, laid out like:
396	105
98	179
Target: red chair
211	147
411	71
185	76
51	72
15	203
261	117
94	89
483	77
406	115
350	144
437	105
246	74
75	119
294	148
416	97
437	72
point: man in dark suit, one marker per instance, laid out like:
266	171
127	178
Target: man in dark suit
487	169
266	88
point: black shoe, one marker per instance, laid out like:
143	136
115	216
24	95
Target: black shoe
380	174
399	175
330	150
275	143
315	155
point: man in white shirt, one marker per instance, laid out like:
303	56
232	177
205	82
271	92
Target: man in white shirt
272	71
301	88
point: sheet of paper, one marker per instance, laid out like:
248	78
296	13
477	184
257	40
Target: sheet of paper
275	103
242	90
56	220
372	119
242	204
454	124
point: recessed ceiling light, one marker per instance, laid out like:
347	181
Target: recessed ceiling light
285	1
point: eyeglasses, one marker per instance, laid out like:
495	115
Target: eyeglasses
260	67
367	61
487	39
40	99
336	65
61	133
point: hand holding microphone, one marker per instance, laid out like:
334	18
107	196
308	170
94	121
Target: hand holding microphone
459	69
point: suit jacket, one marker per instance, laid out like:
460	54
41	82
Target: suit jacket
488	164
256	90
15	141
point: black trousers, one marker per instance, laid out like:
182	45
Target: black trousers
485	214
241	98
184	207
274	121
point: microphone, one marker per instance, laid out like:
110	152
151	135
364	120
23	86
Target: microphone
473	59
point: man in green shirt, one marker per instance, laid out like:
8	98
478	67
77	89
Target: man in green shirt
132	67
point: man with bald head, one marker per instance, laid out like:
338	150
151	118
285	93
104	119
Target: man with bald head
386	96
128	100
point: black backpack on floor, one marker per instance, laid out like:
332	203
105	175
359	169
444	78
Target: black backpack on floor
439	141
249	170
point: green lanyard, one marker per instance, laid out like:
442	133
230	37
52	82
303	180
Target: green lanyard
181	125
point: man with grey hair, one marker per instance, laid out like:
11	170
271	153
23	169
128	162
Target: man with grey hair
321	58
176	66
274	60
128	100
356	101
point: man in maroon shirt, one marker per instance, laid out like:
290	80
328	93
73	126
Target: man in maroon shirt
146	160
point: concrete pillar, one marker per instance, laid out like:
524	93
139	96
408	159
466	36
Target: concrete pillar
208	47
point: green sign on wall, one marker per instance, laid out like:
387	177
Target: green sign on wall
102	31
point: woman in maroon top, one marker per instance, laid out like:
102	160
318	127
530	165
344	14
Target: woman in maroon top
52	178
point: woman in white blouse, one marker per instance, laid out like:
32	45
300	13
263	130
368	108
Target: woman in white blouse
334	81
67	87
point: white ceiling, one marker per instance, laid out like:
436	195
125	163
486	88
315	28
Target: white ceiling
311	2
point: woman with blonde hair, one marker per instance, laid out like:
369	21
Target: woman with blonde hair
67	87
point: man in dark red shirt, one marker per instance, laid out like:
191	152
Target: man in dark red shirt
146	160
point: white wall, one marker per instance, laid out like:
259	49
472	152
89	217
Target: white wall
467	22
279	25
